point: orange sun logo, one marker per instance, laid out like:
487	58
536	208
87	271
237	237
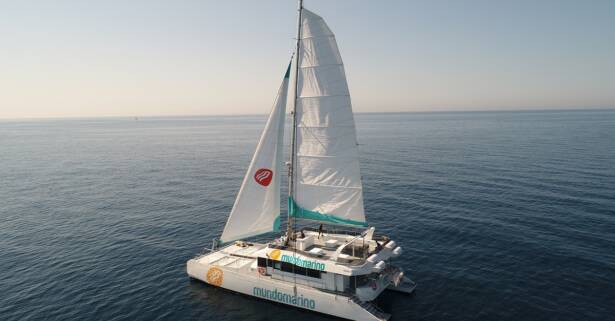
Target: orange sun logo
215	276
275	255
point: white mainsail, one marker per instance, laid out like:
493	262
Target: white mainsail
257	207
327	178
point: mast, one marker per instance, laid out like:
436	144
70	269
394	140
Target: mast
293	144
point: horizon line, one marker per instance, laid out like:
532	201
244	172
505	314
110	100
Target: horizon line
522	109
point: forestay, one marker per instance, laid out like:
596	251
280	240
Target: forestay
327	178
257	207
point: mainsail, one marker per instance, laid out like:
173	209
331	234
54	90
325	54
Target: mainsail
257	207
327	185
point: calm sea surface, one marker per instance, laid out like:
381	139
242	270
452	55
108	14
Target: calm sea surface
502	216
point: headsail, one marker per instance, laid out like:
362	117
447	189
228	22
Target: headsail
326	171
257	207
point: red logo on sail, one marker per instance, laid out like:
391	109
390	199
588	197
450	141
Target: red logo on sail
263	176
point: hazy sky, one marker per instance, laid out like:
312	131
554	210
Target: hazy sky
138	58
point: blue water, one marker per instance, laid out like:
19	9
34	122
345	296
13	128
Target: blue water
503	216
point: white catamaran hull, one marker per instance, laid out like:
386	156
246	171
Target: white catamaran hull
253	284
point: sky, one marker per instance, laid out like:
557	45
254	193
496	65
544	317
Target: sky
155	58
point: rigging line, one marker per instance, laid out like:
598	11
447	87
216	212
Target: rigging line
291	188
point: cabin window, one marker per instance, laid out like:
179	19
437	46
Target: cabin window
362	280
262	262
313	273
353	283
291	268
287	267
300	270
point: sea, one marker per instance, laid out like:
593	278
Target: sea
501	215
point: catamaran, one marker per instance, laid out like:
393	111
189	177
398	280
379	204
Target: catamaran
341	267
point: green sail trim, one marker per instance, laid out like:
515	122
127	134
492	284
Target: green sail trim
276	224
287	74
296	211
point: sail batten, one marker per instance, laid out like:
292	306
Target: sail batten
328	184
